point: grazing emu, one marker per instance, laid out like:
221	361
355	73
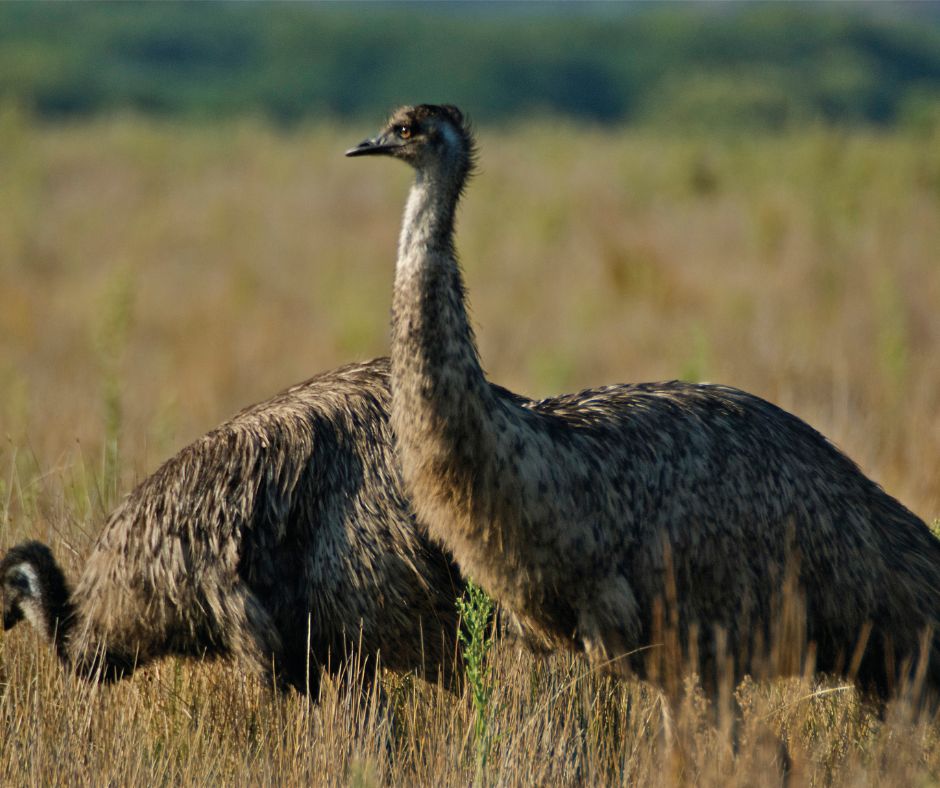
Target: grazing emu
593	516
282	537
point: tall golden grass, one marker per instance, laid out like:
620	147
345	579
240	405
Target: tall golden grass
154	279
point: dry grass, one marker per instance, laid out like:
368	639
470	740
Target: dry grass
154	279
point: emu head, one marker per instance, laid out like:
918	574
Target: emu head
32	587
426	136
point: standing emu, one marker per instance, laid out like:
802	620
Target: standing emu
588	515
282	537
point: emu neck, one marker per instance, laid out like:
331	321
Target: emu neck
429	218
60	613
48	606
441	401
431	335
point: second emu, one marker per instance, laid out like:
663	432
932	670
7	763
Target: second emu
282	538
599	517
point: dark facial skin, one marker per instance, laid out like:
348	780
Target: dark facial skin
14	586
411	131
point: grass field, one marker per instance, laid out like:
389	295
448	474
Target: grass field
154	279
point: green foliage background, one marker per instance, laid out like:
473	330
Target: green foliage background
707	65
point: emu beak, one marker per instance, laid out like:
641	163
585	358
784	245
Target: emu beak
11	617
373	147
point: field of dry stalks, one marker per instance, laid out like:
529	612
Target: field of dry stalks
154	279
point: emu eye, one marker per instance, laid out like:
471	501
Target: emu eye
404	131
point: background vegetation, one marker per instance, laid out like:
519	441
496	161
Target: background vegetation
717	65
192	240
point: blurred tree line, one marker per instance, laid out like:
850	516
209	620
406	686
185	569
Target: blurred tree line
705	65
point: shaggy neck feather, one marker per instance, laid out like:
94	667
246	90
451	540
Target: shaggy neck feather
441	402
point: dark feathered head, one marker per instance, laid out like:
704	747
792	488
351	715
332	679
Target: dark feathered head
426	136
32	585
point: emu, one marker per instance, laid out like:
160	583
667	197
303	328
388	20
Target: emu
595	517
282	538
